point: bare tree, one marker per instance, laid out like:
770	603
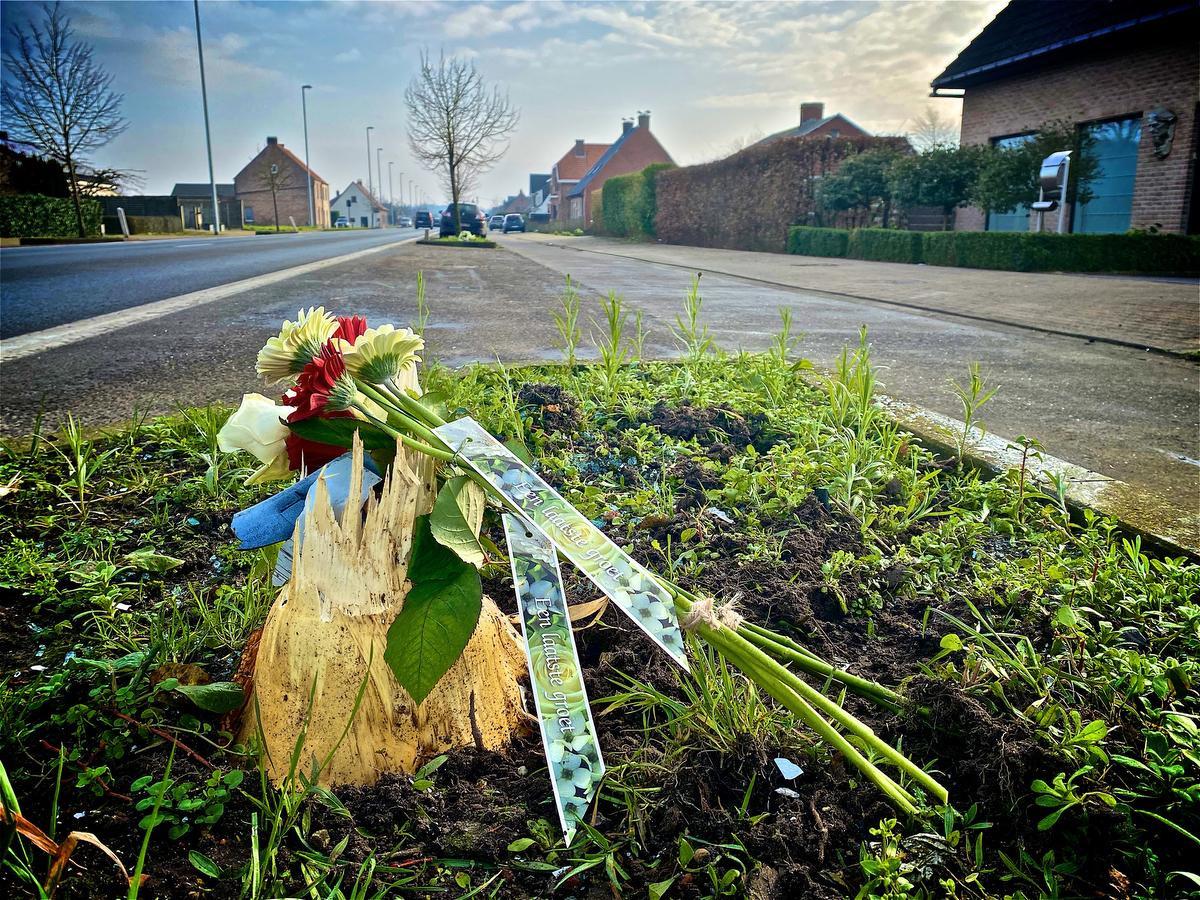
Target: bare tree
57	98
458	127
928	130
270	177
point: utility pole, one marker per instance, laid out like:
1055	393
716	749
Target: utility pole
370	187
212	179
379	174
391	196
312	215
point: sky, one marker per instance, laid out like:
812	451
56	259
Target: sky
712	75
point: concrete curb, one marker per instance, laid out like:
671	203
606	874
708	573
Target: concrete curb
1181	352
1158	520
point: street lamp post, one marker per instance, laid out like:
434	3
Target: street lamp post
207	135
379	170
391	196
312	215
370	187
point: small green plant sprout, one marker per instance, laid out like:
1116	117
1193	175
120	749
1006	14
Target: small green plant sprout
612	344
973	397
422	306
1030	449
783	343
640	333
83	464
566	320
839	562
691	333
1063	794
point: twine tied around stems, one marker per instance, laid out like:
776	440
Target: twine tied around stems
705	611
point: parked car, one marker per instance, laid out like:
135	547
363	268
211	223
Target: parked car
343	222
495	222
514	222
470	218
424	219
405	222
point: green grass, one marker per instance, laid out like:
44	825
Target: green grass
1053	662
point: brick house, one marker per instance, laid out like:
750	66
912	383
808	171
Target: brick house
635	149
815	124
566	173
252	187
359	207
1125	70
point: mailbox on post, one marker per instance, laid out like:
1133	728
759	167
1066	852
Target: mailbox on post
1056	169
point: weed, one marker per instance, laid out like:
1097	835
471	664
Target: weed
972	397
566	320
689	331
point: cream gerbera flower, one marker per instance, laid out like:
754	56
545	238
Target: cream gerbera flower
296	345
381	354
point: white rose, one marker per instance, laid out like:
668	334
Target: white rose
257	428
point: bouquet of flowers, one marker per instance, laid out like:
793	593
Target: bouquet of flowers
385	551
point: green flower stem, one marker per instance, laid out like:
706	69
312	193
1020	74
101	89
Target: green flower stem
413	406
784	648
774	671
444	455
412	424
758	672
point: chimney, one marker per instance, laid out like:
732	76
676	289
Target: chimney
579	149
644	120
811	112
626	126
272	141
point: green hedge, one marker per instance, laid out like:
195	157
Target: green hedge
629	204
808	241
33	215
885	245
1014	252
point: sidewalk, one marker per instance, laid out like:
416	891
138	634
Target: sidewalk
1144	312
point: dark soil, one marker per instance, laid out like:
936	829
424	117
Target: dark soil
807	844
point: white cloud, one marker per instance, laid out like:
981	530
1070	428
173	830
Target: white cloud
348	56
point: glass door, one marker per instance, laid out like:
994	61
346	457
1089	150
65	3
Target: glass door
1115	147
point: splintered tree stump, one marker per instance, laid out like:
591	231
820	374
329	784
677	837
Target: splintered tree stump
327	631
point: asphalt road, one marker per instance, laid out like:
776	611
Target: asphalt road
41	287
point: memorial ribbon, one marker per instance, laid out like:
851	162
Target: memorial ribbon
612	570
556	678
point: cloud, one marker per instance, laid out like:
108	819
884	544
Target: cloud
348	56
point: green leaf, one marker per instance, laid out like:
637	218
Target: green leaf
439	614
520	844
340	432
658	888
457	515
1065	616
1094	731
517	448
436	402
1047	823
218	697
685	852
148	560
203	864
951	642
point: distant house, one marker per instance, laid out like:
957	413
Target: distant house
252	186
194	199
1123	70
539	197
815	124
566	173
359	207
635	149
514	203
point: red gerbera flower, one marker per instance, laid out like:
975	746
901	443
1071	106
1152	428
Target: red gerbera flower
322	388
311	455
350	328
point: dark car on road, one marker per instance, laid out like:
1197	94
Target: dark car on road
495	222
424	219
514	222
470	218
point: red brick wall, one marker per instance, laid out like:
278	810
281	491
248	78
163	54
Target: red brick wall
640	149
252	186
1128	82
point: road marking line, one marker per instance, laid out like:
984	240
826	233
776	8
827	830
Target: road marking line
35	342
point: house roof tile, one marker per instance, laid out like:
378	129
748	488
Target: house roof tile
1031	29
203	189
807	128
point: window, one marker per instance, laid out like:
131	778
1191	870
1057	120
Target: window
1115	149
1018	219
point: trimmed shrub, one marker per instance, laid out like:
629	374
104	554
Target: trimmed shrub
622	197
748	201
33	215
597	225
818	241
649	198
1007	251
885	245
